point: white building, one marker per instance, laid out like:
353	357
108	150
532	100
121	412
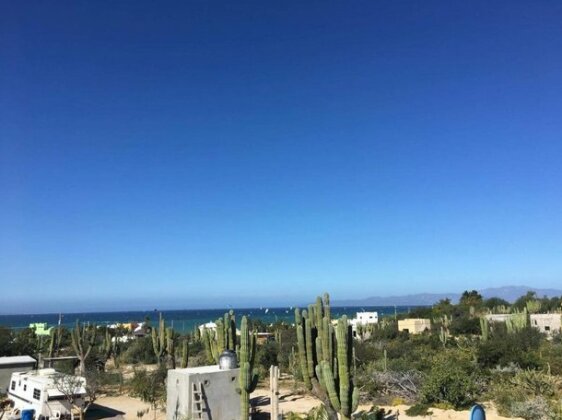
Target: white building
547	323
364	318
38	390
208	326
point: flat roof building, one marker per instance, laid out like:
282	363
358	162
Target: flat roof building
547	323
11	364
414	325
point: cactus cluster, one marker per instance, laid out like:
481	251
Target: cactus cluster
223	338
163	342
326	357
83	340
517	321
55	340
248	376
184	353
444	332
110	348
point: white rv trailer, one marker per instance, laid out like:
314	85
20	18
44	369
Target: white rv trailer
39	390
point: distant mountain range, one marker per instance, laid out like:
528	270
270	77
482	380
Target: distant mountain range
509	293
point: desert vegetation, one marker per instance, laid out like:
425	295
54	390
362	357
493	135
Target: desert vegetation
463	359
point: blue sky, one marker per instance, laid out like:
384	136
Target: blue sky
159	154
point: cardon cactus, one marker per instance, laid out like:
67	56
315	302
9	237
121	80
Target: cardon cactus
221	339
184	353
210	343
110	348
55	339
226	332
107	346
326	358
163	342
248	377
171	346
484	328
344	397
83	340
159	340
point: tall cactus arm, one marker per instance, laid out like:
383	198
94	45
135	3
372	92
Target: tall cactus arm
309	348
330	385
354	400
302	356
343	364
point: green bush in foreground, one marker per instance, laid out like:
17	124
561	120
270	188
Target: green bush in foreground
419	410
451	380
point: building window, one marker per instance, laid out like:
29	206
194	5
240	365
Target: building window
25	387
36	394
546	328
13	387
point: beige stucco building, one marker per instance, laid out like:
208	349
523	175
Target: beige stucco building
414	325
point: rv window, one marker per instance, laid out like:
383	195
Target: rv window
36	394
13	387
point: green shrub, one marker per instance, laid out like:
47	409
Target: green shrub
374	413
265	357
451	380
529	394
149	386
503	349
464	325
139	351
419	410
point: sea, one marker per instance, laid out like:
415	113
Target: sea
183	321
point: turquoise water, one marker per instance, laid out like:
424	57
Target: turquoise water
181	320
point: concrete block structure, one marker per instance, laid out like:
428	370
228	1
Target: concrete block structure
414	325
547	323
9	365
205	392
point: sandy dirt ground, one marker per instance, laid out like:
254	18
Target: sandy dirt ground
125	407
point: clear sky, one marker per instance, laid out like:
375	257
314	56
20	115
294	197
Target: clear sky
202	153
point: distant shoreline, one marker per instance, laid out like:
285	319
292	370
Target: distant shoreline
183	320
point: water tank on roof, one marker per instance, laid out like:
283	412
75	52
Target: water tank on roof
227	360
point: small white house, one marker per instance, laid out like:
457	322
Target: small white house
547	323
364	318
38	390
208	326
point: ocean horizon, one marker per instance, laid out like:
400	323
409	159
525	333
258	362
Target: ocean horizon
182	320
